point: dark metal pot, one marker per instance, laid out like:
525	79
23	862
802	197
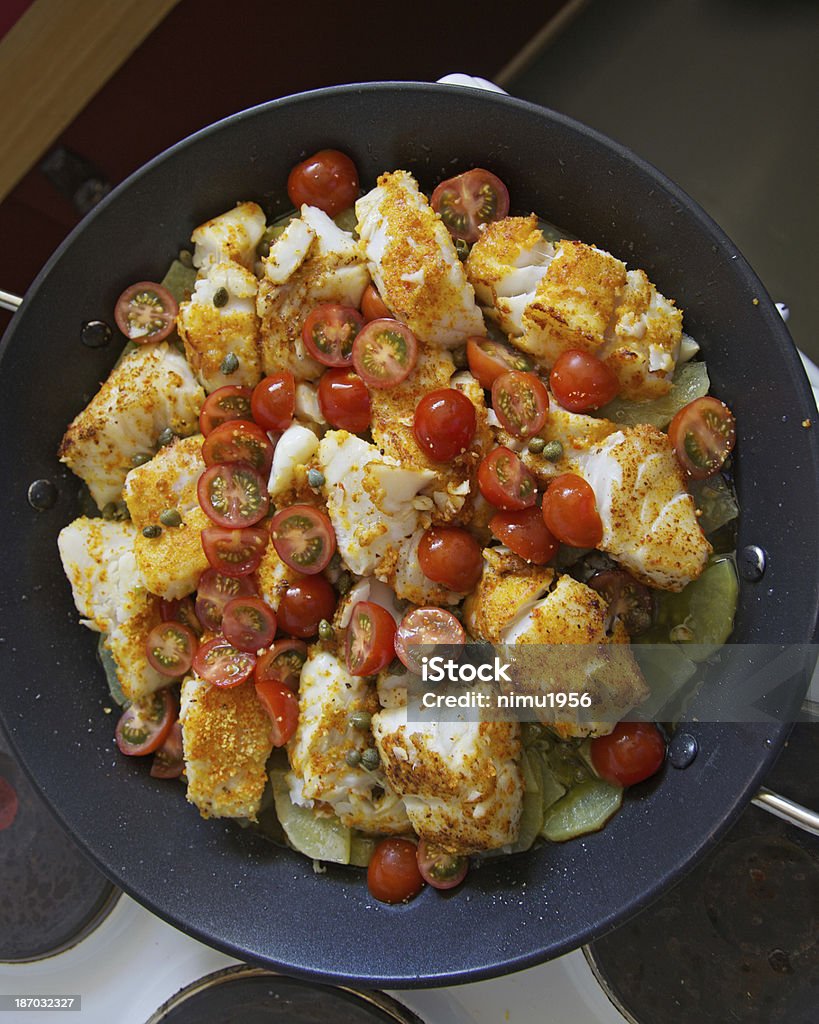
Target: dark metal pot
224	885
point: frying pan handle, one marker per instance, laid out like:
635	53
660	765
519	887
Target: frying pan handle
793	813
10	301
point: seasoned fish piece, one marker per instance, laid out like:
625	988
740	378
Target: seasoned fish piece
575	432
649	519
171	563
293	451
413	262
211	332
461	781
273	577
328	696
232	236
508	588
312	261
150	389
109	592
226	739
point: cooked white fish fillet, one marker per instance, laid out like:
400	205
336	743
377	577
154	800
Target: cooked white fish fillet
171	563
312	261
414	264
293	451
150	389
649	519
273	577
576	433
232	236
211	332
319	773
226	739
110	594
461	781
508	587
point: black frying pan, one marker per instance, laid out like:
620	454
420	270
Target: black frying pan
229	887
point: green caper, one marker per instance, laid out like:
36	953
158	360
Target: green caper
344	583
140	459
109	510
361	720
536	445
315	478
459	358
353	758
552	450
370	759
220	297
170	517
185	257
230	364
152	531
121	512
462	248
166	437
325	630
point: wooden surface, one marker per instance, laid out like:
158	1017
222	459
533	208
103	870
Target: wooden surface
54	59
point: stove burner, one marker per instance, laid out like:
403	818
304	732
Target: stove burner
737	938
51	896
254	996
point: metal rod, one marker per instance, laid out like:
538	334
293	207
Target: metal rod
793	813
10	301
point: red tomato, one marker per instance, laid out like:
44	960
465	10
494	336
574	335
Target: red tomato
470	200
505	482
273	401
525	533
146	312
703	434
168	759
234	552
329	331
632	752
385	353
488	359
282	706
373	306
327	179
570	511
452	557
239	441
213	591
580	382
219	663
344	400
231	402
393	875
144	725
9	804
233	494
426	627
183	611
440	869
249	624
444	424
304	604
521	402
303	537
282	663
370	637
170	647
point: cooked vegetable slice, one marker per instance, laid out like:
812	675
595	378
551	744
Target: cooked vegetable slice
716	501
690	382
320	838
585	808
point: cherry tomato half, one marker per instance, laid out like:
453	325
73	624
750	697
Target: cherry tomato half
303	537
144	725
213	591
182	610
505	482
525	533
170	648
426	628
632	752
703	434
169	759
385	353
470	200
233	494
249	624
627	600
344	401
393	875
327	179
273	401
282	663
219	663
580	382
239	441
488	359
440	869
570	511
146	312
234	552
370	637
231	402
304	604
521	402
329	332
444	424
452	557
373	306
282	707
